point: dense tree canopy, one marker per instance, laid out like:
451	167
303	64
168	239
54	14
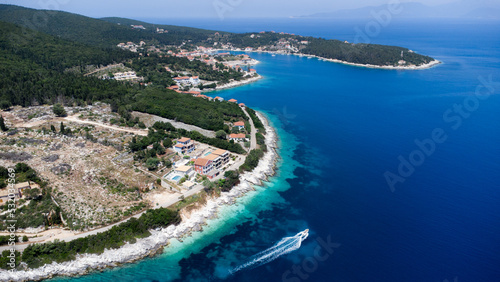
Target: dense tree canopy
185	108
363	53
153	69
33	69
333	49
104	32
32	76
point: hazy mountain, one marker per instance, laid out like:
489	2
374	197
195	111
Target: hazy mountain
484	13
459	9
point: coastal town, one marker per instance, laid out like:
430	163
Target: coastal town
114	140
185	80
85	167
91	148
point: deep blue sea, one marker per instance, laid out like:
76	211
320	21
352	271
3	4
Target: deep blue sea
435	133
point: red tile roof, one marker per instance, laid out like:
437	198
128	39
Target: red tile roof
202	162
237	135
233	100
239	123
184	139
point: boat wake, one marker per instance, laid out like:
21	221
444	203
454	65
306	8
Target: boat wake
283	247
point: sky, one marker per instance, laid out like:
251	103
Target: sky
206	8
201	8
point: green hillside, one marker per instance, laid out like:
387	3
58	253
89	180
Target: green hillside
34	71
101	32
172	29
108	32
33	67
361	53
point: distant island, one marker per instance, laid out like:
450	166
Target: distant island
414	10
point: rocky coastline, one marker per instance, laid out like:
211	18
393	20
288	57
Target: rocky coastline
159	238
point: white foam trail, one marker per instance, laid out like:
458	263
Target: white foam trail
283	247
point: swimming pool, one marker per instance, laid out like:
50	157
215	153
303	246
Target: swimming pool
176	178
207	154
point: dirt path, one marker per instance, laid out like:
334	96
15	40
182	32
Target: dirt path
74	118
141	132
67	235
18	122
103	68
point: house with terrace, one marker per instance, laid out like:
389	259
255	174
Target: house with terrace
215	160
195	80
223	158
238	137
183	80
18	190
204	166
5	195
240	125
178	173
184	145
184	170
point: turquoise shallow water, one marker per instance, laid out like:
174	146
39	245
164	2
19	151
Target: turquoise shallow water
263	199
341	129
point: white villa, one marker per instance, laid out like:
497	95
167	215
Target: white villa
129	75
240	125
182	80
237	137
184	145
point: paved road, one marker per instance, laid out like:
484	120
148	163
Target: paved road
195	190
149	120
253	139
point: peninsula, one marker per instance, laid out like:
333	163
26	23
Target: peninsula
109	149
108	32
